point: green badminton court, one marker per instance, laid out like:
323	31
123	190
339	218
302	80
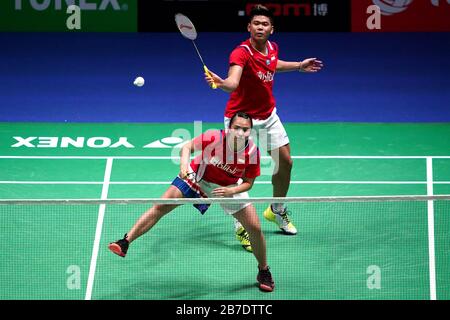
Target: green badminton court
356	250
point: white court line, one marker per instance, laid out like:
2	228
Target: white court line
50	182
256	182
98	230
291	182
431	252
177	157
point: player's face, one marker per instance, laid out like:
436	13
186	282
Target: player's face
260	28
240	129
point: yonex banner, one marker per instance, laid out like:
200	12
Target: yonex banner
68	15
400	15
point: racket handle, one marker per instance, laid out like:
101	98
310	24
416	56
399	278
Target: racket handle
213	86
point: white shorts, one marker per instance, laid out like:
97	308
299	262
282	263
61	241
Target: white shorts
197	189
229	208
268	134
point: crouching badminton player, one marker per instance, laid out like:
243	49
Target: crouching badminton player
227	167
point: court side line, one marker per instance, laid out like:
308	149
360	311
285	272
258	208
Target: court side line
431	251
177	157
256	182
98	230
291	182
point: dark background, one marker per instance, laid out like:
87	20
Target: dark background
223	16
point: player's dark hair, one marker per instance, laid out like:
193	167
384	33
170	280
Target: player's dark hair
241	115
260	10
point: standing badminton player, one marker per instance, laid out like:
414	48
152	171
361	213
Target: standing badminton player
227	167
250	80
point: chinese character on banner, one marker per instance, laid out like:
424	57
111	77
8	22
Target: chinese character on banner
321	9
403	15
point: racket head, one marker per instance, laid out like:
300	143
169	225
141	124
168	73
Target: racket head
185	26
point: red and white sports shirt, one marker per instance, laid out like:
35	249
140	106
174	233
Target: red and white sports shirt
219	164
254	93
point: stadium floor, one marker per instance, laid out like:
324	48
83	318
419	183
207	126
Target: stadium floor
342	251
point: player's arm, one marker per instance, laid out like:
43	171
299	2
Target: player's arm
185	155
199	143
307	65
230	83
247	184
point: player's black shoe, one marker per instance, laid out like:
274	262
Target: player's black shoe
265	280
120	247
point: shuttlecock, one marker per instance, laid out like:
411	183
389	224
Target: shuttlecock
139	82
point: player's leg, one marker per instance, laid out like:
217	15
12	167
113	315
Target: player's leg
150	217
239	231
249	220
281	178
147	220
280	151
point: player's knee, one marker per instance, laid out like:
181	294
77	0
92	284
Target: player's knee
286	164
162	209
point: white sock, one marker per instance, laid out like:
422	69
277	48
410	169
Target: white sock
277	208
237	224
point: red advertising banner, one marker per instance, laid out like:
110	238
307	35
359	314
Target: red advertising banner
401	15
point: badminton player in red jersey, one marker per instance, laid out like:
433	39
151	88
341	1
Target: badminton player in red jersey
250	80
226	167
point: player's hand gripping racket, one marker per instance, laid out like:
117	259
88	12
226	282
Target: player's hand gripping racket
187	29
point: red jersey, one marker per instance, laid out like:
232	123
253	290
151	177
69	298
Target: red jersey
219	164
254	93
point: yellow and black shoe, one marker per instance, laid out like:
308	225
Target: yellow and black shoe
282	220
242	237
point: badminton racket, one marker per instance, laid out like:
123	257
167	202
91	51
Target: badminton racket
188	31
